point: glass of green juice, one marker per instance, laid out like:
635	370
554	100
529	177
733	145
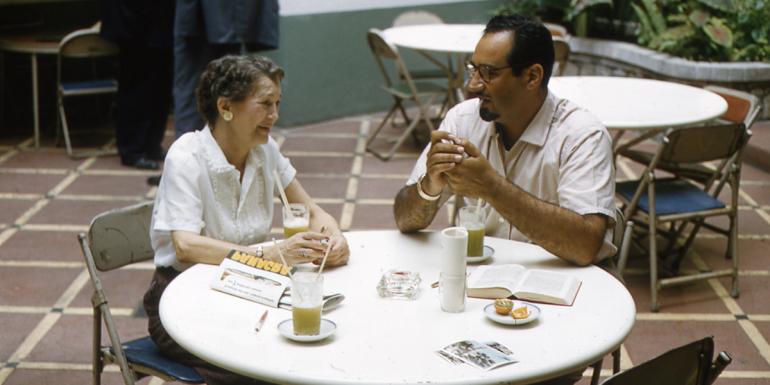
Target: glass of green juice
306	302
472	219
296	219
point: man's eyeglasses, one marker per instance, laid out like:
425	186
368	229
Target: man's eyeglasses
486	72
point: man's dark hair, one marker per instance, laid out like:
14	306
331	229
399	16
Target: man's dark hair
532	43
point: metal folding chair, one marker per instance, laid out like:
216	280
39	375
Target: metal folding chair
690	364
82	44
402	88
621	238
115	239
682	202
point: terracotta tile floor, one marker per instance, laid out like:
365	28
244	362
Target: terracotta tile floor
47	198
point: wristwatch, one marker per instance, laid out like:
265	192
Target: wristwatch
423	194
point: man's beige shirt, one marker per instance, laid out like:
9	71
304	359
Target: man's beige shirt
564	157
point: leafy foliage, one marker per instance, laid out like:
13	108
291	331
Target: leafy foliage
553	10
710	30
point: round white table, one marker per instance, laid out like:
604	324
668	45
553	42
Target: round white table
32	45
387	341
452	38
639	104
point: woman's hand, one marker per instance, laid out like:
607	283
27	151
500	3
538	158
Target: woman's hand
339	253
300	248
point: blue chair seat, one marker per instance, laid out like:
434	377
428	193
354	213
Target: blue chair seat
90	86
672	196
143	351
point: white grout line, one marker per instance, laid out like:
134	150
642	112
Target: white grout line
34	171
54	227
20	196
39	263
756	338
684	317
99	197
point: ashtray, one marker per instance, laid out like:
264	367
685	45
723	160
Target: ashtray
402	284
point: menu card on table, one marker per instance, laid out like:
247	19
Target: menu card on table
253	278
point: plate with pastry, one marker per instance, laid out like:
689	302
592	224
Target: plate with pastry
488	253
511	312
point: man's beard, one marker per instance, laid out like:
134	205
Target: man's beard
487	115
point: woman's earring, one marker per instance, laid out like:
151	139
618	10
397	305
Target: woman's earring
227	116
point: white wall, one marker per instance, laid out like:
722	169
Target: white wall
304	7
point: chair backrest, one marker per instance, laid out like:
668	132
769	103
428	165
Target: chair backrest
689	364
121	236
703	143
561	52
383	50
416	18
86	43
742	107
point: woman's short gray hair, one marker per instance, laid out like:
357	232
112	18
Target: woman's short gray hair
232	77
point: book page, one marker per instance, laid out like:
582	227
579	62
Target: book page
507	276
547	286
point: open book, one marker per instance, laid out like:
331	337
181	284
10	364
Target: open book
500	281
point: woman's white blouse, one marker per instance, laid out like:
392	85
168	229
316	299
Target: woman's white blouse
201	192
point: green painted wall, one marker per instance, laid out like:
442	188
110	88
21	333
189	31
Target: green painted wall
330	71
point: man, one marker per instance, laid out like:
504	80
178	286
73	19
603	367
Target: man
542	165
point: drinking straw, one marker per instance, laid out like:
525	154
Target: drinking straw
280	190
323	261
280	254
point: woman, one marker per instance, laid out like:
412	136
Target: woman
216	193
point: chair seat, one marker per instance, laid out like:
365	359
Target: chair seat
423	88
672	196
428	74
89	87
695	172
143	351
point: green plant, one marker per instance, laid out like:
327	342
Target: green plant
711	30
551	10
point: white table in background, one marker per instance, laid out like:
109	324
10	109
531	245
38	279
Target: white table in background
33	46
381	341
458	40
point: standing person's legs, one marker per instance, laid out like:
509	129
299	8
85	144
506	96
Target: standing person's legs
160	72
190	59
134	109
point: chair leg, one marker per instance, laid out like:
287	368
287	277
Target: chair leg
377	130
653	225
65	128
733	244
97	363
597	371
616	361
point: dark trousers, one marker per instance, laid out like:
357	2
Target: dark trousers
144	101
213	375
191	56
